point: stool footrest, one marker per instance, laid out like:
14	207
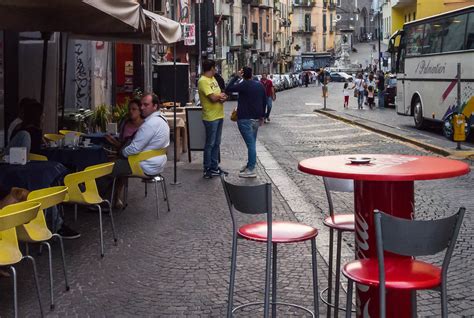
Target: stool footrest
276	303
324	300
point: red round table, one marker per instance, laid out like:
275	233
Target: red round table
385	183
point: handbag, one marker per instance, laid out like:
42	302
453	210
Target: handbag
356	93
233	115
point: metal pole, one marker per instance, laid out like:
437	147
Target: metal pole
458	104
46	36
175	178
199	39
63	101
379	35
324	87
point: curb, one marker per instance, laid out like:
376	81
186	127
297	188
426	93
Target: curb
466	155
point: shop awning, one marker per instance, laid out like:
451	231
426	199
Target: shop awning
158	30
74	16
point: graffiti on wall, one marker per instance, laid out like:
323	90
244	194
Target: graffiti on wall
81	77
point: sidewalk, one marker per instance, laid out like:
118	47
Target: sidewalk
176	266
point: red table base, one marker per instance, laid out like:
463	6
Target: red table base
395	198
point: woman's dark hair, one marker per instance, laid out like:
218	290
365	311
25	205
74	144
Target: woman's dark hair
32	114
134	101
346	85
207	65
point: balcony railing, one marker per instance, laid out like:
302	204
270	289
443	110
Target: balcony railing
304	30
304	3
265	3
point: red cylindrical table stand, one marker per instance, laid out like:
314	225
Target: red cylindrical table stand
385	183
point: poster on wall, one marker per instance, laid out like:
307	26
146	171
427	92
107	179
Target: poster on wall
189	34
183	7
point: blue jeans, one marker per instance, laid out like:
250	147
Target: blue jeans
213	143
360	98
248	129
269	106
381	99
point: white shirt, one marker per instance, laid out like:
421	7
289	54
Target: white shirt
345	91
12	127
359	83
153	134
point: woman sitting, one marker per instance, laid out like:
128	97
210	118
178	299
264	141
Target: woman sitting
127	129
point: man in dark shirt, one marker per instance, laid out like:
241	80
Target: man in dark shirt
250	113
381	89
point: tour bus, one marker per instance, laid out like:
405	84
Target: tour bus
425	56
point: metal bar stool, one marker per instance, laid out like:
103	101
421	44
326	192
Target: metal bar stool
257	199
407	238
339	223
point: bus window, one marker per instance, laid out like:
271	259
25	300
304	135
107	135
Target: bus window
414	39
454	29
433	37
470	33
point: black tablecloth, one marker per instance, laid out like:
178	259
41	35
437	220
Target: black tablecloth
97	138
76	159
32	176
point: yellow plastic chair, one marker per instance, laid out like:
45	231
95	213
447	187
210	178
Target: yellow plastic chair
90	194
137	172
53	137
36	157
36	231
65	132
12	216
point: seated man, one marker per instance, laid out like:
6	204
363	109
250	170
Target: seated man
153	134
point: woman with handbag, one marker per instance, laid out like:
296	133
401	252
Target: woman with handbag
359	90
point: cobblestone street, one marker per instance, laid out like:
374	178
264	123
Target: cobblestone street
178	265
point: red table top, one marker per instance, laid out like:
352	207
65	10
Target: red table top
385	167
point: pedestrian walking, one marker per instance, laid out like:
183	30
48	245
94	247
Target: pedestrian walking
370	82
270	95
212	99
359	86
381	89
346	94
370	97
250	112
306	79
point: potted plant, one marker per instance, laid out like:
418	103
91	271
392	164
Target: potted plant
101	117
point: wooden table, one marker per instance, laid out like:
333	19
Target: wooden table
386	184
181	135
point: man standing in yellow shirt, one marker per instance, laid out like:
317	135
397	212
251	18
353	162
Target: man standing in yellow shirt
212	100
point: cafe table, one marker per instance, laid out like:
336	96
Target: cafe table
181	134
76	158
386	183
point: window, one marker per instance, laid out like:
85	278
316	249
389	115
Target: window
308	44
330	23
432	37
454	29
470	33
324	24
307	22
244	26
414	39
268	24
338	3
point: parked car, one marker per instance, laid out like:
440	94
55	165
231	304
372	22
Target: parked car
277	82
391	91
340	77
286	81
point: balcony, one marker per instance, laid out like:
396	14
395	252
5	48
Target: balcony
221	8
303	30
304	3
221	52
265	4
254	3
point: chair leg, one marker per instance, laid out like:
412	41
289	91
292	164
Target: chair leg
35	273
51	279
112	221
146	189
315	277
331	256
350	285
63	256
274	280
165	191
413	304
101	231
233	266
15	293
125	195
75	212
156	202
444	300
112	195
268	269
338	274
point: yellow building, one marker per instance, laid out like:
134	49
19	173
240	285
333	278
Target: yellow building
409	10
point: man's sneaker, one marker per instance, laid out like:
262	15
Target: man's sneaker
218	172
248	174
68	233
207	174
243	168
268	119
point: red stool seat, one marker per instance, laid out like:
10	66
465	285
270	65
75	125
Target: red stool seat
342	222
400	273
282	232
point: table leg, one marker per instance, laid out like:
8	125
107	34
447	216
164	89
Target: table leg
395	198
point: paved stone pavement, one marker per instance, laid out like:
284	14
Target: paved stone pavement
178	265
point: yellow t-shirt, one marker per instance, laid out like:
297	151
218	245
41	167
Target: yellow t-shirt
210	110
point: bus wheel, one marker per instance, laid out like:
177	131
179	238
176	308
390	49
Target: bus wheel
418	114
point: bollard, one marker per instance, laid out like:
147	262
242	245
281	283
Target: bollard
459	129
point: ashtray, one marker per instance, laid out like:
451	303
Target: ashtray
360	160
